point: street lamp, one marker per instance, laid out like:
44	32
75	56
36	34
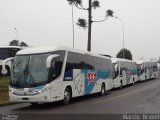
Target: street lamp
17	34
73	25
123	32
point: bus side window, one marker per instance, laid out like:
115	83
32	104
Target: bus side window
155	68
115	73
90	63
56	65
83	65
13	52
56	69
74	61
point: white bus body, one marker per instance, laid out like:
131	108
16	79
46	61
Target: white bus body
46	74
147	70
125	72
7	52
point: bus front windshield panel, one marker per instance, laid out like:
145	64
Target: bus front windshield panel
29	71
116	72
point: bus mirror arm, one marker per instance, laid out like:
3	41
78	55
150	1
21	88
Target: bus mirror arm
4	70
142	67
49	60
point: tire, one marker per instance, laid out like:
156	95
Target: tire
34	104
154	76
133	82
0	70
67	96
8	71
103	91
145	77
120	87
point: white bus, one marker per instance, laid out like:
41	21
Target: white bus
46	74
146	70
7	52
125	72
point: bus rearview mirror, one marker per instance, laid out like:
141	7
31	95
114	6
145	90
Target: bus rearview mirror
116	67
49	60
142	67
4	70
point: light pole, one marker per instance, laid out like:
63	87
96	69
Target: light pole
17	35
123	32
73	25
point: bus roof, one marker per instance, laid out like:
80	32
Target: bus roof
140	61
11	47
48	49
145	62
115	60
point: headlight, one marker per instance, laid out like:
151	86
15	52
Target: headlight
11	90
39	91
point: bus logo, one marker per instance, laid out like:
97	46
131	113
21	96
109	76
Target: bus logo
129	74
92	76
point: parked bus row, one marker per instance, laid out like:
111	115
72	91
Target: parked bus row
129	72
46	74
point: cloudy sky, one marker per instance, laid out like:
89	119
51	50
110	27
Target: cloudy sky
49	23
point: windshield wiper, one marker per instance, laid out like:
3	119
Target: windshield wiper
23	72
15	65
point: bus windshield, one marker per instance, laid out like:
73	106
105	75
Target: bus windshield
29	71
115	68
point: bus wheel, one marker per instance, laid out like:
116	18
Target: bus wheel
154	76
145	77
133	82
67	96
8	70
34	104
103	91
121	85
0	70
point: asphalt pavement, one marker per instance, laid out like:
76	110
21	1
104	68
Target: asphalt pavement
141	98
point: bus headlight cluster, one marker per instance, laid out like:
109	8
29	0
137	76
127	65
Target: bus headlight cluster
40	91
11	90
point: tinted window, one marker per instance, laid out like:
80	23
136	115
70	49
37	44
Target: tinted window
4	53
155	68
80	61
76	61
91	62
102	64
13	52
8	52
57	64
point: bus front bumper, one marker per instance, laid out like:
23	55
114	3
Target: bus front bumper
39	98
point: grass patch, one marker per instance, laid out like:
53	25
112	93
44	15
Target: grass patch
4	97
